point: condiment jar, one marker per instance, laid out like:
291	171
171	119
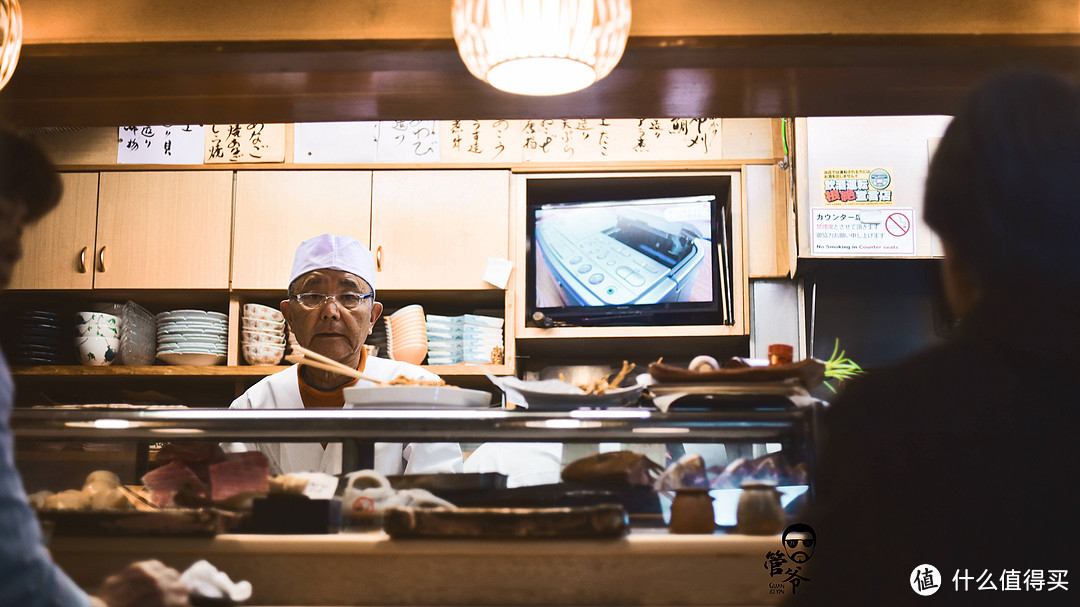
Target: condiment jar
759	511
692	511
781	354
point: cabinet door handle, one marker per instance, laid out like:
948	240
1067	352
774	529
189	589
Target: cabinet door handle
82	260
101	260
378	258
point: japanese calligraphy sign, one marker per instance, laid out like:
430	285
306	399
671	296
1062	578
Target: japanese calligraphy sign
861	231
335	142
160	144
408	141
857	187
480	140
620	140
257	142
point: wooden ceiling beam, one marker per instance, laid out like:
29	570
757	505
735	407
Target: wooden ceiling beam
113	83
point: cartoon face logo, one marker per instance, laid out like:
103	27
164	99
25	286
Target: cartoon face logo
798	540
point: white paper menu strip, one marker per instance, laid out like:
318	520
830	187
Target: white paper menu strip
335	142
160	144
408	141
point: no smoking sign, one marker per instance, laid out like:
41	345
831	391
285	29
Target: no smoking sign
862	231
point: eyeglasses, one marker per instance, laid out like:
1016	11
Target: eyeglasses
349	301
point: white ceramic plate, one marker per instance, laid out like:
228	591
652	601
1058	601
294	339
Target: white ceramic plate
190	358
194	324
191	351
193	328
547	401
414	397
191	315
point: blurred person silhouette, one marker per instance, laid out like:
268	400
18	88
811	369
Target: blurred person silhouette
30	188
961	457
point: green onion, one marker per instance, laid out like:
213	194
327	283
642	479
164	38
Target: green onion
839	367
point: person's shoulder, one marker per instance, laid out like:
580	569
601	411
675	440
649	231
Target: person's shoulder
255	396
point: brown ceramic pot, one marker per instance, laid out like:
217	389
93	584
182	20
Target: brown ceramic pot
759	511
692	511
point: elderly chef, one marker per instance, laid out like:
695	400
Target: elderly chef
331	309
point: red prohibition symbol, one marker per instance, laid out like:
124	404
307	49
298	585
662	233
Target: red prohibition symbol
897	224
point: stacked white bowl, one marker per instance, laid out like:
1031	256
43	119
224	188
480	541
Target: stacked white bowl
97	338
406	335
262	336
192	337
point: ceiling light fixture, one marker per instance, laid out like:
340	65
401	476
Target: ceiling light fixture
10	38
541	47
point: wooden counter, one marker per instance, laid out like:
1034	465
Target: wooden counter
644	568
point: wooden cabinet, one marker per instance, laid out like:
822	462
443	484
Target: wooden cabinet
437	229
164	230
58	250
277	210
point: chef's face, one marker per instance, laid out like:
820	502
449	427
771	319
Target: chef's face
12	219
330	328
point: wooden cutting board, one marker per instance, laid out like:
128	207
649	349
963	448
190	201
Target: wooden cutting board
606	520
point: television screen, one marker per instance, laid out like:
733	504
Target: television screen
628	261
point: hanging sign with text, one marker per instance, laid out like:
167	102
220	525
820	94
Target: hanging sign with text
861	231
257	142
160	144
857	187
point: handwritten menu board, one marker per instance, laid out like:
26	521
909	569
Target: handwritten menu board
408	141
160	144
430	141
227	143
581	140
481	140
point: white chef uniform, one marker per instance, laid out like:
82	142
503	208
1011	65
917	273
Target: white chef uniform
282	391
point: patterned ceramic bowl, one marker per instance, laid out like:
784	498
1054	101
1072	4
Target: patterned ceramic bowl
97	323
262	325
263	354
97	350
261	312
262	337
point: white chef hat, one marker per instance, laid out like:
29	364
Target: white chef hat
334	252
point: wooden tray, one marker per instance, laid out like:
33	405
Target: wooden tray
170	522
809	372
607	520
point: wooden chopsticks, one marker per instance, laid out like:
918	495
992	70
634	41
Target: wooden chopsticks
314	359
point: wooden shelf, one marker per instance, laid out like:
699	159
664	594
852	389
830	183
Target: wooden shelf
469	369
148	370
218	370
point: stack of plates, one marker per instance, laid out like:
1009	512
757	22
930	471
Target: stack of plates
36	338
445	341
467	338
480	336
192	337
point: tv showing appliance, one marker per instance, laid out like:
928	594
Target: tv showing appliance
660	258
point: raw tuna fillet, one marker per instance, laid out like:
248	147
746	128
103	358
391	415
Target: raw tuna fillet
240	473
164	482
